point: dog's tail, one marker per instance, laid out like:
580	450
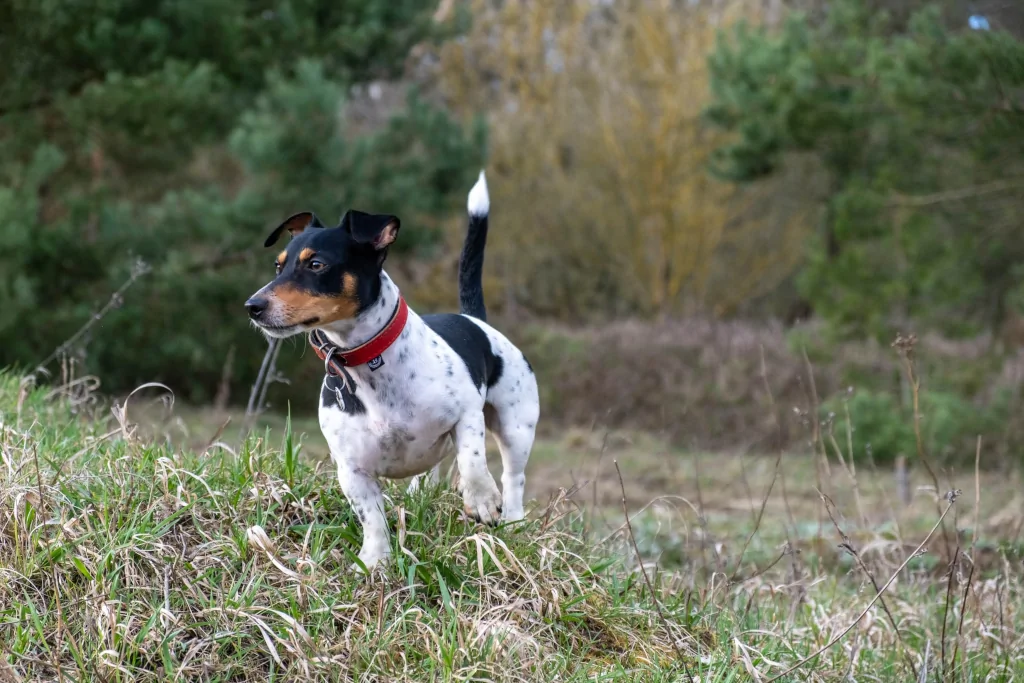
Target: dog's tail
471	263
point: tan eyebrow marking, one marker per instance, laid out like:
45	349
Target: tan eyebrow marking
348	285
282	257
306	254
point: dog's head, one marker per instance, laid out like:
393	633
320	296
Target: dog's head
325	275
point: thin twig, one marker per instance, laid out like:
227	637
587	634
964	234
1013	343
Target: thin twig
945	610
848	546
977	498
779	438
254	393
905	346
270	378
647	580
815	424
963	609
786	550
745	480
760	516
853	464
850	473
597	475
956	195
819	445
951	496
139	269
705	537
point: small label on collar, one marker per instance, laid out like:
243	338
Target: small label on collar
375	363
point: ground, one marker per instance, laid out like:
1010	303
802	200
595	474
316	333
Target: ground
158	545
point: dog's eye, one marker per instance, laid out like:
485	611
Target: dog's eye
315	265
277	267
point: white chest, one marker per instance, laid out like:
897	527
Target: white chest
399	423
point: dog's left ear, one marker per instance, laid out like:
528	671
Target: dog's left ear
379	230
295	225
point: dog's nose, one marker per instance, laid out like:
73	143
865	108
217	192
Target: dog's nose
256	307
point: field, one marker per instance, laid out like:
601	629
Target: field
154	543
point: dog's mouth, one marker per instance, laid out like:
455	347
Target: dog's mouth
286	330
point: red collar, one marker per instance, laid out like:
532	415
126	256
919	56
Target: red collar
370	352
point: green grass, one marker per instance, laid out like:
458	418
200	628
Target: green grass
123	558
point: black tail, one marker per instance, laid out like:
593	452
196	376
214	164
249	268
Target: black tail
471	263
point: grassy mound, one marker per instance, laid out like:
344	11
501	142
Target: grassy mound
125	560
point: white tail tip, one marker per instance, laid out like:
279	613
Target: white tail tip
479	202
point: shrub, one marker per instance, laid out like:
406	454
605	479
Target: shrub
879	423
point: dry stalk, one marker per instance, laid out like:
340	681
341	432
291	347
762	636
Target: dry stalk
745	480
253	407
905	346
220	400
945	609
596	477
853	465
779	437
139	268
880	487
647	579
951	497
271	377
819	445
760	516
849	470
705	538
786	550
977	498
847	545
963	609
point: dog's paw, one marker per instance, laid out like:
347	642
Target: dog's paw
482	503
372	559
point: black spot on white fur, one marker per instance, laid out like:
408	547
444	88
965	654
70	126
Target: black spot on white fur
471	343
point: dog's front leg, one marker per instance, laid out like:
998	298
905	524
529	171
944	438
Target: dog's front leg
480	494
364	495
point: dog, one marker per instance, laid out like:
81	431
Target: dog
401	391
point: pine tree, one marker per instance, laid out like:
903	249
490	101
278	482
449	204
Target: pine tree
918	127
178	133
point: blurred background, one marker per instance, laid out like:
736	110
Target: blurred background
710	219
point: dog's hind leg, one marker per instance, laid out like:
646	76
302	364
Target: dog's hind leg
515	445
514	435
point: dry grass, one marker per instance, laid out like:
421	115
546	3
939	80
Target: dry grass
129	557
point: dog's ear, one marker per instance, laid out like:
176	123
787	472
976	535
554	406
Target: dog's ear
379	230
295	225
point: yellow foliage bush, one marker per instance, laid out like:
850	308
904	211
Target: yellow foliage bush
602	201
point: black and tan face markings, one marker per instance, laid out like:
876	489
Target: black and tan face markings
326	275
304	299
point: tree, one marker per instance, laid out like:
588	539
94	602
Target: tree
918	127
598	147
179	133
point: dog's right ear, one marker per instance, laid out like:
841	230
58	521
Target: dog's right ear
294	225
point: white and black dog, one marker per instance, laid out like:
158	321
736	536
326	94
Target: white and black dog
400	388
